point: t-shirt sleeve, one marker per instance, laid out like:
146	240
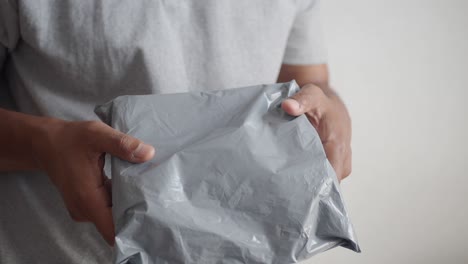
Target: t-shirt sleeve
9	36
306	43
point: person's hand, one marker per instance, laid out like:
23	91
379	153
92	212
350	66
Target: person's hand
327	113
72	155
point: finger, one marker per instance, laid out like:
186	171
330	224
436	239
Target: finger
100	214
347	166
309	99
76	215
104	179
108	187
336	155
101	161
73	206
122	145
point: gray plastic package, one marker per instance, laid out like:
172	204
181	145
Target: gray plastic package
234	180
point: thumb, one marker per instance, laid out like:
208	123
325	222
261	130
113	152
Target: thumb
310	99
122	145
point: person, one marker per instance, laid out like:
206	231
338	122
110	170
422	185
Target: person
62	58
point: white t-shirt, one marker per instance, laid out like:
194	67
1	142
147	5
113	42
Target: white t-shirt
61	58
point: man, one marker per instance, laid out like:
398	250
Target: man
61	58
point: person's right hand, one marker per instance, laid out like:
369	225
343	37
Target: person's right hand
71	153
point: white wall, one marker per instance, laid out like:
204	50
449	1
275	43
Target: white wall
402	68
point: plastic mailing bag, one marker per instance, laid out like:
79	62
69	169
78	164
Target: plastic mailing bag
234	180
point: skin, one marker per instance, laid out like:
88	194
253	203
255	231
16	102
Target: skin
71	153
325	111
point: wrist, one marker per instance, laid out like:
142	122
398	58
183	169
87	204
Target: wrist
45	133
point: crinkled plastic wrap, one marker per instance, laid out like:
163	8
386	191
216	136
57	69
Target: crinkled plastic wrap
234	180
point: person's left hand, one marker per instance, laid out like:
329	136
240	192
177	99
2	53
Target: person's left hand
327	113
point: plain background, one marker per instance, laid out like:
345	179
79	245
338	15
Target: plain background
402	68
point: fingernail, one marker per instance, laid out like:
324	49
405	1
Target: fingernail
143	151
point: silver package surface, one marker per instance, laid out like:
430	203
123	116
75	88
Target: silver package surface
234	180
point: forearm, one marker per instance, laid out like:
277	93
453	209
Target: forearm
19	134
